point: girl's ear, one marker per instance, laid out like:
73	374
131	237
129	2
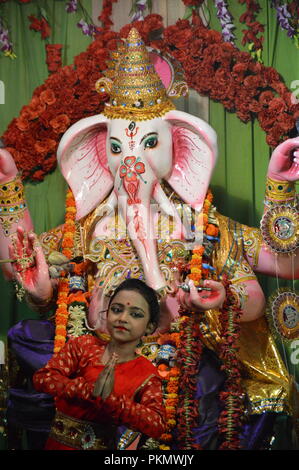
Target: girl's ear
151	327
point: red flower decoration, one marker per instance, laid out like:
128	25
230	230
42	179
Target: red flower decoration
254	27
40	25
53	61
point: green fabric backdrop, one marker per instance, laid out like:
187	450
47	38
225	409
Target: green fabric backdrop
238	181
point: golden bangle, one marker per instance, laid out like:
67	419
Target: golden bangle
12	197
279	191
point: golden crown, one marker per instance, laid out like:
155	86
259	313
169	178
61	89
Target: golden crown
135	89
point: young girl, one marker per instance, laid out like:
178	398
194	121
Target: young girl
99	386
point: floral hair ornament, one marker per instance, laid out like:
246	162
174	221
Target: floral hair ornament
139	82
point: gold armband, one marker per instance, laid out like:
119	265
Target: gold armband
12	203
279	192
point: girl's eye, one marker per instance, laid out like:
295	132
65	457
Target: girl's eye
151	142
115	148
116	309
137	315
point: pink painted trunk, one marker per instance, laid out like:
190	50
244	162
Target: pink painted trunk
140	228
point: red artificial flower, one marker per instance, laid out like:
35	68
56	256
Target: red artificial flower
60	123
48	97
23	123
40	25
35	23
45	29
266	97
53	60
45	146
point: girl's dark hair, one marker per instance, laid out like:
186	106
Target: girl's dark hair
147	293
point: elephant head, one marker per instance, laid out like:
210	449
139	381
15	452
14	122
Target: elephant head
126	152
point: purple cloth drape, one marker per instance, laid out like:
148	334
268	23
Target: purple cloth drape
31	343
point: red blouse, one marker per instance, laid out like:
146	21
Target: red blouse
136	400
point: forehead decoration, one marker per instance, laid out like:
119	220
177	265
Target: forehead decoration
139	82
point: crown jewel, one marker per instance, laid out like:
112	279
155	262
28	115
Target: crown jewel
134	87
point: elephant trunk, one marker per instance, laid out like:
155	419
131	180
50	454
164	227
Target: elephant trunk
140	228
136	182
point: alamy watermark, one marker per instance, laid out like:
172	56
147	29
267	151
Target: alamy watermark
143	222
294	357
2	92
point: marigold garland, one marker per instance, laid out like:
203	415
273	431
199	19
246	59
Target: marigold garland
171	378
197	272
65	297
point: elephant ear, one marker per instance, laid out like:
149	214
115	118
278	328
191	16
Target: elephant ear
82	159
194	156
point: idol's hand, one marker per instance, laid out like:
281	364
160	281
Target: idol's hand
284	162
30	266
105	381
204	299
8	169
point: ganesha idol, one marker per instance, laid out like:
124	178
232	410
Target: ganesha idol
139	174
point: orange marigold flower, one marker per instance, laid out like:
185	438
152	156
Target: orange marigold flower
195	277
61	330
71	210
196	261
67	253
199	250
173	395
61	321
69	235
162	367
169	406
68	243
61	309
195	270
175	372
212	230
80	268
77	297
172	422
209	196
